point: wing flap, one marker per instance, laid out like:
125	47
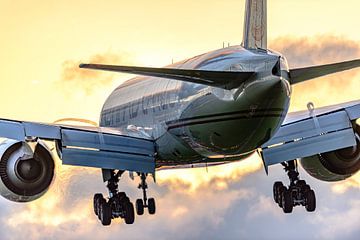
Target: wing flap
89	146
107	151
108	160
309	147
303	74
222	79
105	142
307	134
308	128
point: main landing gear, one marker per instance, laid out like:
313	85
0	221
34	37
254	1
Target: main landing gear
118	204
144	203
298	193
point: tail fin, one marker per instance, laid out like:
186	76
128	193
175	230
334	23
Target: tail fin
255	28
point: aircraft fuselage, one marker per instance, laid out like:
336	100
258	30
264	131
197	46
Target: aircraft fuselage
195	123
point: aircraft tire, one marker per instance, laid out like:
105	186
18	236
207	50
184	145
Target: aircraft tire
276	188
97	198
310	200
101	201
280	195
305	189
301	183
151	206
129	213
139	206
105	213
287	201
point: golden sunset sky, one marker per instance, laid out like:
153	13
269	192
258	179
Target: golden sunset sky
38	37
42	43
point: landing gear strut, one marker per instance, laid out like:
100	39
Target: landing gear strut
118	204
298	193
145	202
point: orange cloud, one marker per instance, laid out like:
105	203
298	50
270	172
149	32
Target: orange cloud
351	183
332	89
322	49
90	80
218	177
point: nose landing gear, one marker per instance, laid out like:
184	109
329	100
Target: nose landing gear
298	193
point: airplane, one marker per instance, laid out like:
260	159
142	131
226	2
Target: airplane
215	108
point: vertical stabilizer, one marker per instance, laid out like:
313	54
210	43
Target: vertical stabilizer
255	28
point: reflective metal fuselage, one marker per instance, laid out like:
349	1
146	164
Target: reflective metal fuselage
194	123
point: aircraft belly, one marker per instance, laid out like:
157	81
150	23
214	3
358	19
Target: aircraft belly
173	150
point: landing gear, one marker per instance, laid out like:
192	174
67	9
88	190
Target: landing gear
297	194
151	206
118	204
139	207
145	202
105	213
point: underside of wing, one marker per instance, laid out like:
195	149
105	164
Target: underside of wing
89	146
308	73
305	134
222	79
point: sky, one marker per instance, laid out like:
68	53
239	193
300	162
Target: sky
42	42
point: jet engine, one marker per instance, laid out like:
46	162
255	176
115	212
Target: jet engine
334	166
26	170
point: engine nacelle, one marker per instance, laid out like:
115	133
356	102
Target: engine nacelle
334	166
26	170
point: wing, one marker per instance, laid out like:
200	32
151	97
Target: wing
308	133
89	146
222	79
308	73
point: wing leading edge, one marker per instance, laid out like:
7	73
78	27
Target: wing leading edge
222	79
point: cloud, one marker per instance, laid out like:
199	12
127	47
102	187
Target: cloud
317	50
90	80
322	49
352	183
338	224
67	207
263	207
242	210
218	177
